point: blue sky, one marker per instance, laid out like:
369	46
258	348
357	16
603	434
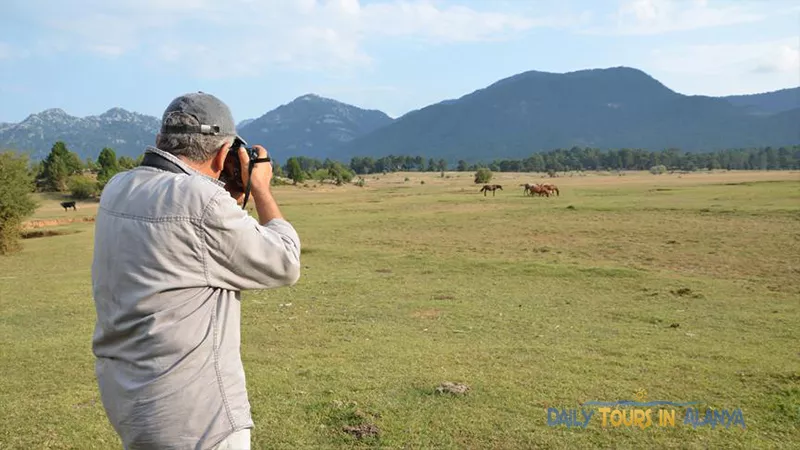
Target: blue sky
86	56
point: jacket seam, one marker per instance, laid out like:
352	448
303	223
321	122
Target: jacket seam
149	219
218	372
203	232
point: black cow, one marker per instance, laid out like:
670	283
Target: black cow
67	205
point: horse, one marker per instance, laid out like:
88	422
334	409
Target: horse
528	187
551	188
540	190
67	205
490	187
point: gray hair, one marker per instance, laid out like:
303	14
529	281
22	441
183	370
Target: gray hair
197	147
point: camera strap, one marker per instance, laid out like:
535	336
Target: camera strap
250	167
159	162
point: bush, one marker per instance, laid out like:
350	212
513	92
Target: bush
82	187
658	170
483	175
340	174
294	171
320	175
16	202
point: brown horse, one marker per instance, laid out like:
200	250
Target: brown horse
539	190
490	187
551	188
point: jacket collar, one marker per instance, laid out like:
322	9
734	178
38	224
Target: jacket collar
173	160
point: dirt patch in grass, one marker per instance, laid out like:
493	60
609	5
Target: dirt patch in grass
427	314
31	224
452	388
44	233
362	431
352	419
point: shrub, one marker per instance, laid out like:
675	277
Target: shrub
294	171
340	174
658	170
280	181
82	187
320	175
16	203
483	175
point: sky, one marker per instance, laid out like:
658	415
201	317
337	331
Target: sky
87	56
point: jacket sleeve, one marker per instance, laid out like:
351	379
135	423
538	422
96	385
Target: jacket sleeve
242	254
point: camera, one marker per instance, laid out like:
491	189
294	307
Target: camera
232	168
232	171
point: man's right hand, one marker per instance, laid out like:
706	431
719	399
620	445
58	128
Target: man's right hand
266	206
262	172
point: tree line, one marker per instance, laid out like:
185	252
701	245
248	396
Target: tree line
577	159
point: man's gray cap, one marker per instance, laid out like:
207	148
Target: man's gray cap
212	114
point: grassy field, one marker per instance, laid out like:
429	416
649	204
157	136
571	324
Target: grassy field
678	288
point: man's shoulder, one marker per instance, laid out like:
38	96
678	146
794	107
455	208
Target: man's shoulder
150	192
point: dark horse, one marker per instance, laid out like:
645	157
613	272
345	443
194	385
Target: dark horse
490	187
67	205
528	188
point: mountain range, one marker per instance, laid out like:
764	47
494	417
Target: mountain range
511	118
311	126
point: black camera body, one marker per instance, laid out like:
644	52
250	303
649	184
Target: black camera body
232	172
232	169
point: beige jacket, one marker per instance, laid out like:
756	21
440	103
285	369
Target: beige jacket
172	252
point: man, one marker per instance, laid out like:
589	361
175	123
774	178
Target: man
173	249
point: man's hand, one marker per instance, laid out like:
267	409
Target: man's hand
260	186
262	172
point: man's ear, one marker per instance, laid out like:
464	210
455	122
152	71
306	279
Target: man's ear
218	162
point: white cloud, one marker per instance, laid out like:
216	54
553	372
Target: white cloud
9	51
724	69
452	24
651	17
304	34
107	50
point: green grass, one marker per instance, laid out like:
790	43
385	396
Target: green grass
530	303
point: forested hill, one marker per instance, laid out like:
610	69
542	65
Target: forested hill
604	108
